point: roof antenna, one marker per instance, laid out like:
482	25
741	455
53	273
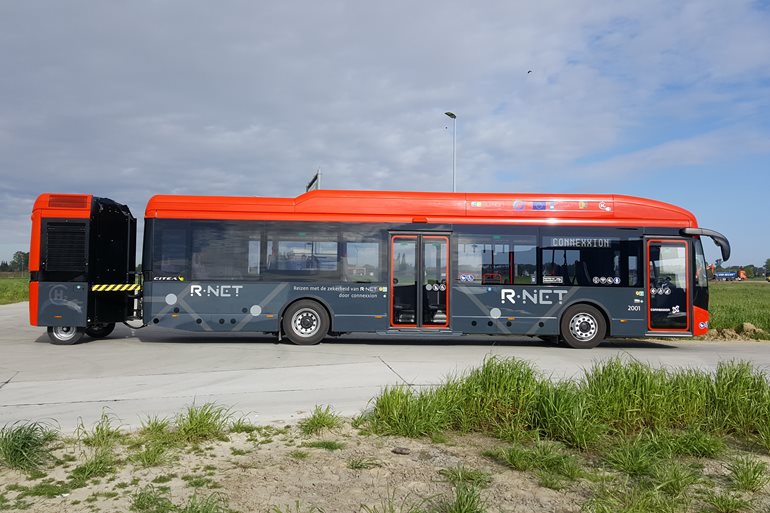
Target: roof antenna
315	182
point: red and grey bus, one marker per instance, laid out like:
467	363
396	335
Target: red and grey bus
567	268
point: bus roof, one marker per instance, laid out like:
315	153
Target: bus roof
428	207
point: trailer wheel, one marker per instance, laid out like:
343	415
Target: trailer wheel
65	335
100	330
583	327
305	323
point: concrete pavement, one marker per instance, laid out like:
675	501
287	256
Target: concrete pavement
157	372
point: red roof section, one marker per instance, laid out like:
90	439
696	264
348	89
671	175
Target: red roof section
428	207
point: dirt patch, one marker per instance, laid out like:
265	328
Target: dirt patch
258	474
747	331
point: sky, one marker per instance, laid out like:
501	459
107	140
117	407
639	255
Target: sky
660	99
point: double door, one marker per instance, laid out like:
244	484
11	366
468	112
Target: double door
420	280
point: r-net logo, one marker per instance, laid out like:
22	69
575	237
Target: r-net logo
533	296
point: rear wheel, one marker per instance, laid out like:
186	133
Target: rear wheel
583	327
100	330
306	323
65	335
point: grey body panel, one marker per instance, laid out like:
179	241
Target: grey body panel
257	307
355	307
63	304
537	310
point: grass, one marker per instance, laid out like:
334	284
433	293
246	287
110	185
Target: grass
466	499
463	475
645	425
103	435
727	502
319	420
546	458
13	290
629	498
748	474
298	454
151	455
203	423
154	500
25	445
329	445
46	490
733	303
101	463
243	425
635	457
674	479
363	463
615	397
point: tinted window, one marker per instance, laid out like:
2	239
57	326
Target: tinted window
496	259
302	252
591	261
361	261
221	250
171	249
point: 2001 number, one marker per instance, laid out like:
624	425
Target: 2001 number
634	308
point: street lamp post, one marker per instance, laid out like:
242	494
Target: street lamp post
454	149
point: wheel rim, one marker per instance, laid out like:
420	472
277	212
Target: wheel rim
305	322
583	326
64	333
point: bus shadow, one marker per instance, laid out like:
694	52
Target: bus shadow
492	342
154	336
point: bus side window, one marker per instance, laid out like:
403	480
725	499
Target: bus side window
361	261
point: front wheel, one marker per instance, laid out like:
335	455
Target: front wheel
305	323
65	335
100	330
583	327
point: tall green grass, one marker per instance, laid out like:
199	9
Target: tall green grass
25	445
13	290
319	420
509	399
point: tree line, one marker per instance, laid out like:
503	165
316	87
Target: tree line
19	263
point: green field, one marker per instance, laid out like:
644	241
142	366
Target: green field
13	290
732	303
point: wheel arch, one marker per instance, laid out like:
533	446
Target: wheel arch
596	304
324	304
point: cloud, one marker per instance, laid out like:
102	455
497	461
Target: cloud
130	100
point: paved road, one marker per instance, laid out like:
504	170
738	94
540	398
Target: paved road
157	372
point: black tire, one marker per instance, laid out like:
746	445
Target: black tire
65	335
583	327
100	330
306	323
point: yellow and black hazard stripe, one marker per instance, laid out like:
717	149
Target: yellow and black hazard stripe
116	287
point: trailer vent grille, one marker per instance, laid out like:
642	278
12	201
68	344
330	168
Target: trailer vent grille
66	247
68	201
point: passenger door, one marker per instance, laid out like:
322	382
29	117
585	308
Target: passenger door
419	278
668	285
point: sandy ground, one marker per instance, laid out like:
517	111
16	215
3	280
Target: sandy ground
259	473
273	468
